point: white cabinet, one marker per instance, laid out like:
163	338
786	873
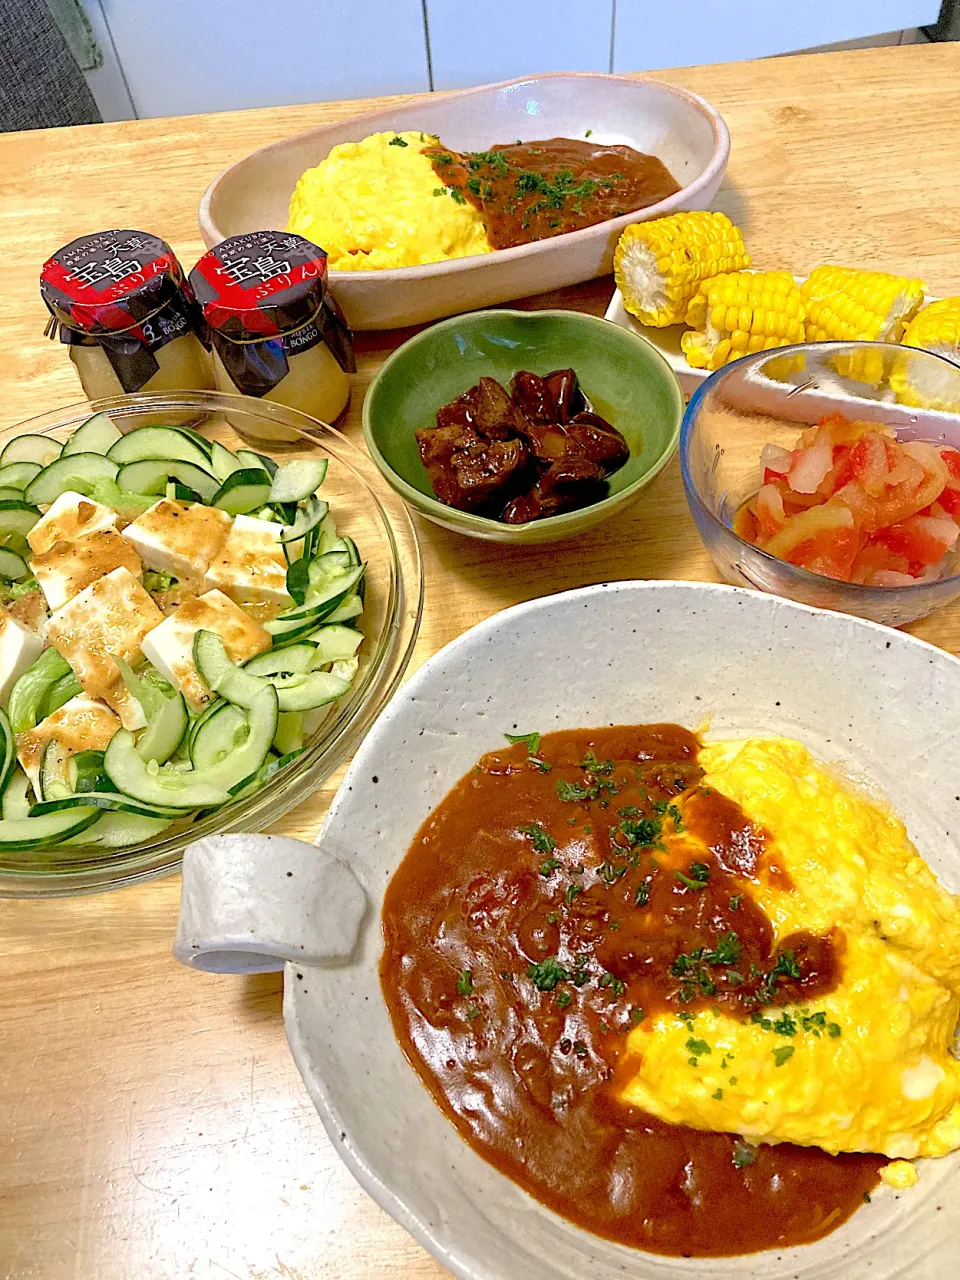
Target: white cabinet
473	43
650	34
184	56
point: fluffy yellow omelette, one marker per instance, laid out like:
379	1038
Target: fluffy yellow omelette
885	1080
378	203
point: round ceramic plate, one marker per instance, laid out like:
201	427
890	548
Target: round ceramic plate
883	704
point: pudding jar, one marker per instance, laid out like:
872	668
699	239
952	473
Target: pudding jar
121	304
275	331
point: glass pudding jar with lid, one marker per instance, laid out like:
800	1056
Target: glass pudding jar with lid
122	305
276	332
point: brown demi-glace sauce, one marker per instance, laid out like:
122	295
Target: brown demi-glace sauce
531	926
533	190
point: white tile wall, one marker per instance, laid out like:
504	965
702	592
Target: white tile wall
476	43
650	34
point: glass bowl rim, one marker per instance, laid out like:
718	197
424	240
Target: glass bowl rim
608	506
390	656
804	577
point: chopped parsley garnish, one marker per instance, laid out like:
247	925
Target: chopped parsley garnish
787	965
785	1025
543	841
473	186
642	895
579	1049
572	891
576	793
531	739
552	917
698	877
443	157
456	195
588	133
782	1053
642	832
592	765
397	142
636	1015
465	982
743	1154
615	984
735	901
718	1095
563	999
611	872
473	1012
439	191
547	973
548	866
664	807
698	1047
727	950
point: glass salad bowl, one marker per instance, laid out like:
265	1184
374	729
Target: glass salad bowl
764	400
365	510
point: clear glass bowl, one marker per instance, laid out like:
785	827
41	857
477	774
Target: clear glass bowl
364	507
764	399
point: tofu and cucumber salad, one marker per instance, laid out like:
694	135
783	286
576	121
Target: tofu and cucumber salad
176	621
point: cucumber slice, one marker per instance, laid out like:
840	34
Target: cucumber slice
12	566
15	802
28	694
352	607
258	460
10	495
31	448
223	462
199	440
56	777
96	435
298	480
165	731
118	830
89	771
150	475
296	658
332	644
78	472
295	690
311	514
17	517
19	474
289	735
157	785
112	801
262	718
321	600
149	443
36	833
219	736
8	751
242	492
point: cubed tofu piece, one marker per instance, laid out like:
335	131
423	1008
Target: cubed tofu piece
82	724
250	566
70	516
170	646
66	568
111	616
180	538
19	649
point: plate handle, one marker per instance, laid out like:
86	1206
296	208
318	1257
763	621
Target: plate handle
250	903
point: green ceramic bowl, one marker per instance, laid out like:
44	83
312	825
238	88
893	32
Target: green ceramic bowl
625	378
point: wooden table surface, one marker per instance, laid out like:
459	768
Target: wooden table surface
152	1124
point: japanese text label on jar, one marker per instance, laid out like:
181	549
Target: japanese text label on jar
123	306
276	332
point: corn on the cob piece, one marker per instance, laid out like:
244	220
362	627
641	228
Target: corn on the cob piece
937	328
844	304
659	265
735	315
927	384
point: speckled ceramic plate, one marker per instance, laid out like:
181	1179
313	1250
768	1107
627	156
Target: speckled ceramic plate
882	703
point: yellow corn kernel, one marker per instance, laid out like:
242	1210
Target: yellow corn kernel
937	328
740	313
660	265
846	305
